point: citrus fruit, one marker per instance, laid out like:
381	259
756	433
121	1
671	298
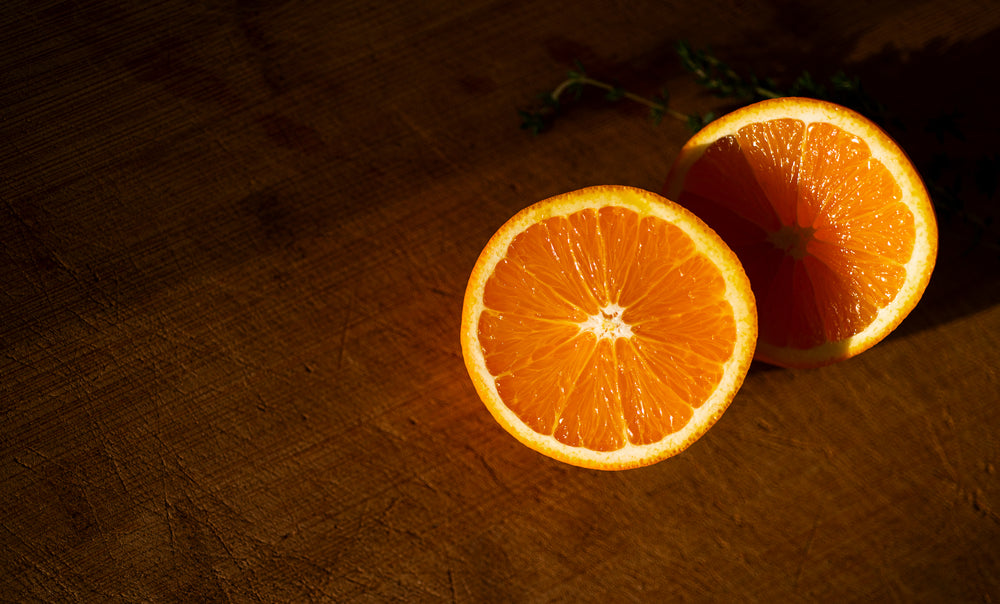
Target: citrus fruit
607	327
828	216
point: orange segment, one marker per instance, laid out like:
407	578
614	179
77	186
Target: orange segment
608	327
828	216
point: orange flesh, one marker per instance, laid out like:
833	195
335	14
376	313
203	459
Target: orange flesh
604	328
817	222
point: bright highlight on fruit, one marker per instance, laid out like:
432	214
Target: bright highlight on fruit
608	328
828	216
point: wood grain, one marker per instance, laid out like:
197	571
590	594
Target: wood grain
234	239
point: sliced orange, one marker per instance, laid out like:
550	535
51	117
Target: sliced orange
608	327
828	216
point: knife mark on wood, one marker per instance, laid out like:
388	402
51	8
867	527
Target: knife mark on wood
939	450
807	550
348	312
427	138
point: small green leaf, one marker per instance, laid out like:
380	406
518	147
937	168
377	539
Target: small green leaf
532	121
577	74
696	122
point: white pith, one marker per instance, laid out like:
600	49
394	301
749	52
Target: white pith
608	323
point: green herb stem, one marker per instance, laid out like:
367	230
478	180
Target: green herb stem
581	80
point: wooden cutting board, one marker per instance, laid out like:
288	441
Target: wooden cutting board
234	239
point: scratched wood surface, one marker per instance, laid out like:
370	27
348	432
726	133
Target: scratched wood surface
234	239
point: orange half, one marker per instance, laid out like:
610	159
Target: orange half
608	327
828	216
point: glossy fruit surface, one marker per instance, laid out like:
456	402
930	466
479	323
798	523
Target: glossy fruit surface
828	216
607	327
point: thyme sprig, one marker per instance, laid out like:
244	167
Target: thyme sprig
579	79
540	118
715	76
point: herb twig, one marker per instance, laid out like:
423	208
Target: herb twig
715	76
539	119
615	93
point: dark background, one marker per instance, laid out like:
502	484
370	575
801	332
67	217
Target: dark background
234	240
